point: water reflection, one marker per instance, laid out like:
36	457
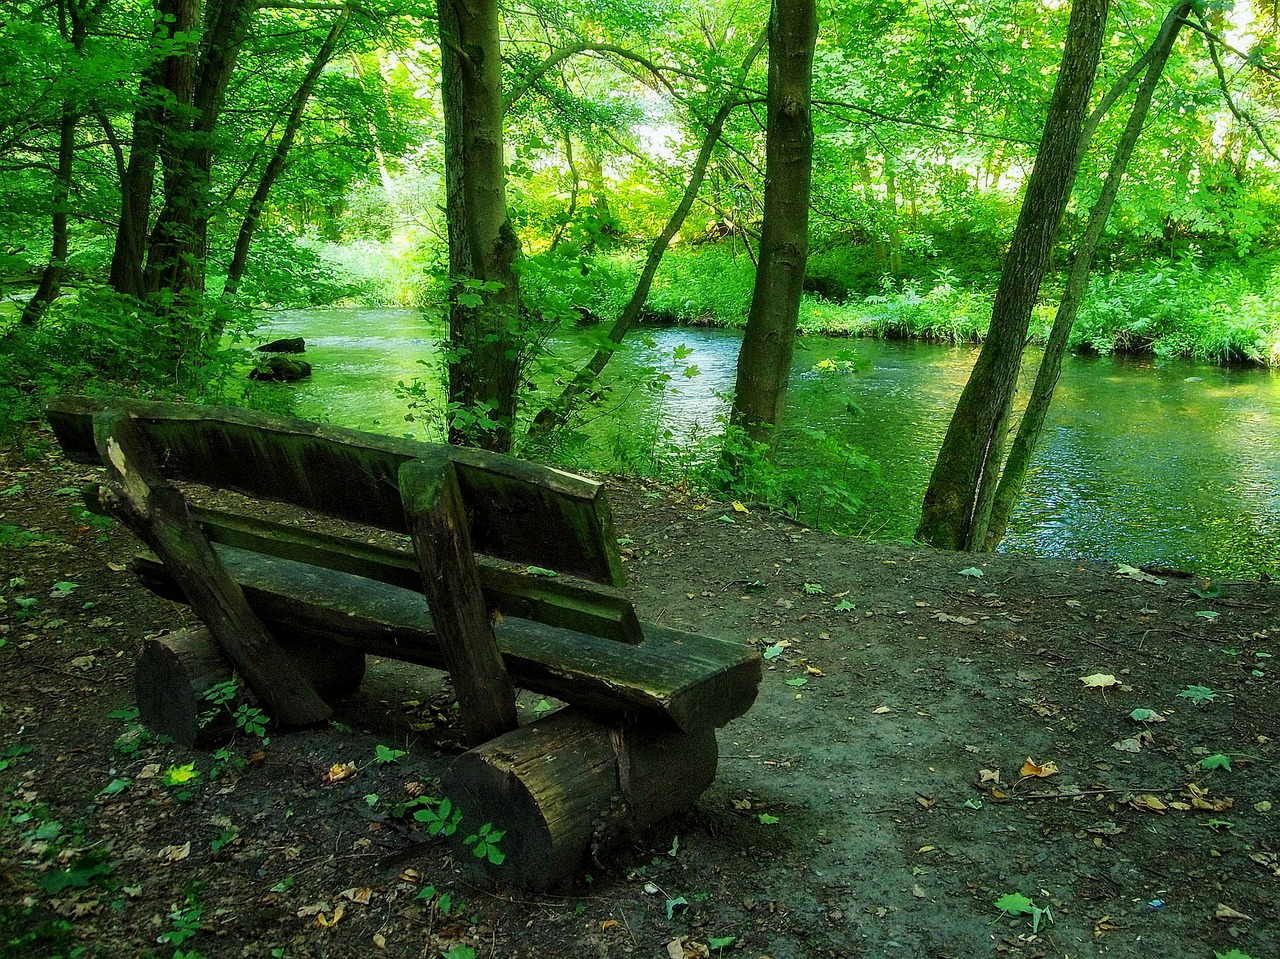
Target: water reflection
1143	460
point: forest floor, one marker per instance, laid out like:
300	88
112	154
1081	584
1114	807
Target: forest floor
939	764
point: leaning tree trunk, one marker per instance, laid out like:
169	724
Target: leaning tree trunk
958	501
1032	424
484	298
557	412
764	363
51	277
280	156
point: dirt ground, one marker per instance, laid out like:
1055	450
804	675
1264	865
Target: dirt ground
928	742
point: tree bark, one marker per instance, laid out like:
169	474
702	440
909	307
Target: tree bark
1032	423
166	81
178	250
484	296
764	362
280	156
958	500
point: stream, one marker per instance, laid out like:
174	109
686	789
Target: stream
1143	460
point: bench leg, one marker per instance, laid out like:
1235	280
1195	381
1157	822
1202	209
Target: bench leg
566	787
175	672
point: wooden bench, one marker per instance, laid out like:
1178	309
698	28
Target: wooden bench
505	573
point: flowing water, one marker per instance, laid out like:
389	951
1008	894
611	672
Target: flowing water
1143	460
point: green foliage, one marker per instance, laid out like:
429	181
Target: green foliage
385	754
439	815
484	844
1199	695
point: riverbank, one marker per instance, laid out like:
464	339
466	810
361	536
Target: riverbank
1076	739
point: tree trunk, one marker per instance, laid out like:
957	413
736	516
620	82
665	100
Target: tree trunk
1029	429
558	411
276	165
484	347
958	501
764	363
167	81
177	256
51	278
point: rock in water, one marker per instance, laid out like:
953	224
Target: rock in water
292	344
279	369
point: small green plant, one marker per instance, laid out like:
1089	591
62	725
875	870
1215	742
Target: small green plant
11	754
1216	761
439	815
1016	904
1199	695
484	844
284	885
184	920
442	902
385	754
813	589
1233	954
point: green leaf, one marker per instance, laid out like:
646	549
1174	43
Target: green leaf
813	589
1198	694
62	589
726	518
773	652
798	681
844	606
972	571
1216	761
721	942
1143	715
767	820
1015	904
540	571
385	754
116	786
680	902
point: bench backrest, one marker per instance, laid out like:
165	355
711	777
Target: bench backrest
517	511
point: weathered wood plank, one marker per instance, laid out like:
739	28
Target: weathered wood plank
564	601
519	511
694	682
157	514
436	517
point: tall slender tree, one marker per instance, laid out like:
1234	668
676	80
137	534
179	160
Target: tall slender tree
483	360
957	503
764	362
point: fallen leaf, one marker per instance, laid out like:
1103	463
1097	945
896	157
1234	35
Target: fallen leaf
608	924
340	771
361	895
313	910
379	940
972	571
924	849
1042	771
1128	746
1226	913
881	710
948	618
1099	680
738	507
918	892
925	802
988	776
175	853
1133	572
1148	803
